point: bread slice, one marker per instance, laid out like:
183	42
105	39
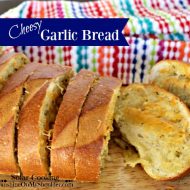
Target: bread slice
95	125
44	90
9	64
173	76
157	124
66	125
11	99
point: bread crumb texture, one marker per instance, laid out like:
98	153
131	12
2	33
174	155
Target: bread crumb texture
173	76
157	124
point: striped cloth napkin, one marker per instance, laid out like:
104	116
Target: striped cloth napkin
157	30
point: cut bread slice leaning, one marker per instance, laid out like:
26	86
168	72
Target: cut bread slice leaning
95	125
11	99
157	124
66	125
44	90
9	64
173	76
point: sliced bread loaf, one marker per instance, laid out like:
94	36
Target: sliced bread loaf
11	99
66	125
44	89
157	124
95	125
173	76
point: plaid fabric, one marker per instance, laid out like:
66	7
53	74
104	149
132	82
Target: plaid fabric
157	29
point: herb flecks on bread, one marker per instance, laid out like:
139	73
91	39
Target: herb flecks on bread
173	76
11	100
9	64
44	93
157	124
95	125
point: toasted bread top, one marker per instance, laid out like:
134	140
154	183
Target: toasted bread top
70	109
18	78
173	76
170	68
95	110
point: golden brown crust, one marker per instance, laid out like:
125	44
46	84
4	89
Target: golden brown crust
7	129
66	125
93	128
179	176
41	76
95	110
8	164
9	102
49	71
28	136
10	97
9	64
174	76
31	72
88	162
44	73
185	64
18	78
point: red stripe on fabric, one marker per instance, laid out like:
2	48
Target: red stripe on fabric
48	9
47	54
144	12
96	6
53	9
168	50
30	10
67	55
181	50
100	60
160	50
108	63
40	54
116	61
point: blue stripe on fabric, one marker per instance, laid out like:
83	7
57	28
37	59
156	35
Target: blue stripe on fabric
81	11
86	66
134	62
73	10
143	57
182	4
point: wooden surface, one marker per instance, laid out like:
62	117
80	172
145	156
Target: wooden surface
116	177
